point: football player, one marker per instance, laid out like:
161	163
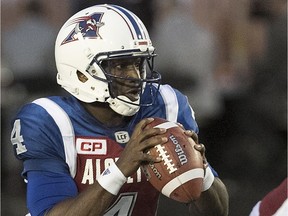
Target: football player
275	202
82	153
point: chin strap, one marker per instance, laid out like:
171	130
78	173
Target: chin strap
123	108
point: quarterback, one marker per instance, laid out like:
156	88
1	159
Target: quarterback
82	153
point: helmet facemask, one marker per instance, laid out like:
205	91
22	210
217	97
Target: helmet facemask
127	103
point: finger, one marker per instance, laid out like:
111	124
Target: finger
188	133
195	137
201	148
145	132
192	134
150	137
139	129
180	125
142	124
153	141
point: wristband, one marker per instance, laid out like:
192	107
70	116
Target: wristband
112	179
208	179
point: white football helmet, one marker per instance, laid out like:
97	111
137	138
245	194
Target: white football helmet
97	34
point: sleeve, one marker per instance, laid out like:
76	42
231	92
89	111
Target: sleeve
37	141
177	107
45	189
186	115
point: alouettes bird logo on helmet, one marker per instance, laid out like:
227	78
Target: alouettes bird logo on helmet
88	26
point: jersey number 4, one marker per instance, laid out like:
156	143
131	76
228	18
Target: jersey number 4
123	205
17	138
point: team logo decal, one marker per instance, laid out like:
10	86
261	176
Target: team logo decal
122	137
87	25
91	146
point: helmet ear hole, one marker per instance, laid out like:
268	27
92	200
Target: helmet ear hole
82	78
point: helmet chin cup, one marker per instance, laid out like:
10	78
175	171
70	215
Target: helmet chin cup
123	105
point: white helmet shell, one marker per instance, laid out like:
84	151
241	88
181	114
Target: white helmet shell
91	35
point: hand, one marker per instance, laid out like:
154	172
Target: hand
135	152
199	147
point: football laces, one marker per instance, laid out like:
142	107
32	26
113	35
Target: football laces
166	158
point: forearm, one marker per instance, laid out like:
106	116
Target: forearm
93	201
96	198
213	202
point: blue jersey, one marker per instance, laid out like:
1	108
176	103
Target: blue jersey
64	149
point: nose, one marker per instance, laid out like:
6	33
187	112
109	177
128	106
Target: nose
133	71
133	77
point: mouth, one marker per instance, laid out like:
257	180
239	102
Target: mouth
133	94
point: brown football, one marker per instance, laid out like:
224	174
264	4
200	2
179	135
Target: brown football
180	173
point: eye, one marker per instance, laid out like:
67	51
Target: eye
125	66
119	67
138	65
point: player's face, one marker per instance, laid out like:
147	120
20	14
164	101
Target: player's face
126	75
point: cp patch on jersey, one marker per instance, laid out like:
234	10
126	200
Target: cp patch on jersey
91	146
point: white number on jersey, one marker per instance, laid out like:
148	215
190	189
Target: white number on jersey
17	139
123	206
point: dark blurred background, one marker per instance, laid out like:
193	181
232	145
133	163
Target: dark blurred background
228	57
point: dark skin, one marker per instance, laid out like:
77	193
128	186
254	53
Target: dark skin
212	202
